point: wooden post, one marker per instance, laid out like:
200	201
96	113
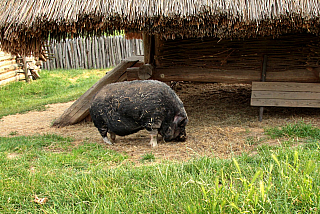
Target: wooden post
80	108
25	69
148	45
263	79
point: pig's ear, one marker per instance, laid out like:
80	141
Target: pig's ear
180	121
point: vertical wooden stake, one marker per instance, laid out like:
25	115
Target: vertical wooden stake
25	69
148	45
263	79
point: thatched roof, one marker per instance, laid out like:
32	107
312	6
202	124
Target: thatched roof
26	24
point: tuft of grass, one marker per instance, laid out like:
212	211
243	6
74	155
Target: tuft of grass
300	129
53	87
251	140
13	133
148	157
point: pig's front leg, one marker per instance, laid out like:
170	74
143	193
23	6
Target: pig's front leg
112	136
154	137
106	140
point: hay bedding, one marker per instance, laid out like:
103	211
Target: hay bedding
221	120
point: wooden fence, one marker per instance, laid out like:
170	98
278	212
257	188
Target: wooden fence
93	52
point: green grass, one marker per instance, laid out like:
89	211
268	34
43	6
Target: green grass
148	157
88	178
300	129
51	166
53	87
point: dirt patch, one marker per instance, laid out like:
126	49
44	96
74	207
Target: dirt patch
221	124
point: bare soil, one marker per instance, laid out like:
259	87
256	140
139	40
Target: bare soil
221	122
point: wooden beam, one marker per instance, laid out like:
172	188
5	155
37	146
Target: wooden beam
10	74
143	72
7	57
80	108
7	62
198	74
158	45
148	45
7	68
12	79
280	86
285	103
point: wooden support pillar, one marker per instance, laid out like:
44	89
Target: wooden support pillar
149	48
25	69
263	79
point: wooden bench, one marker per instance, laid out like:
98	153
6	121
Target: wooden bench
285	94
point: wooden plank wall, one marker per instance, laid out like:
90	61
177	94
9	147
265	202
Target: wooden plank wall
9	69
92	52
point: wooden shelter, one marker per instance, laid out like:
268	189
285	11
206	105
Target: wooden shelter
204	41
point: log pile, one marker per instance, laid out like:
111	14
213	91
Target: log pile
9	69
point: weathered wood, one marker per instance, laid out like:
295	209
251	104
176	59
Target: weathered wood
286	103
93	52
3	53
80	108
148	45
25	69
157	54
285	94
263	79
136	58
60	54
102	53
286	52
6	57
7	75
54	64
143	72
281	86
69	56
132	73
299	95
84	53
230	76
11	79
96	58
75	57
7	68
8	62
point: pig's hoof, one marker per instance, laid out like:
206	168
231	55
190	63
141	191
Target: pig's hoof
106	140
153	143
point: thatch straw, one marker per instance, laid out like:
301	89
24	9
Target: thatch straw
26	24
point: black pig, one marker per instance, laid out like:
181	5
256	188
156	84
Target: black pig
127	107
